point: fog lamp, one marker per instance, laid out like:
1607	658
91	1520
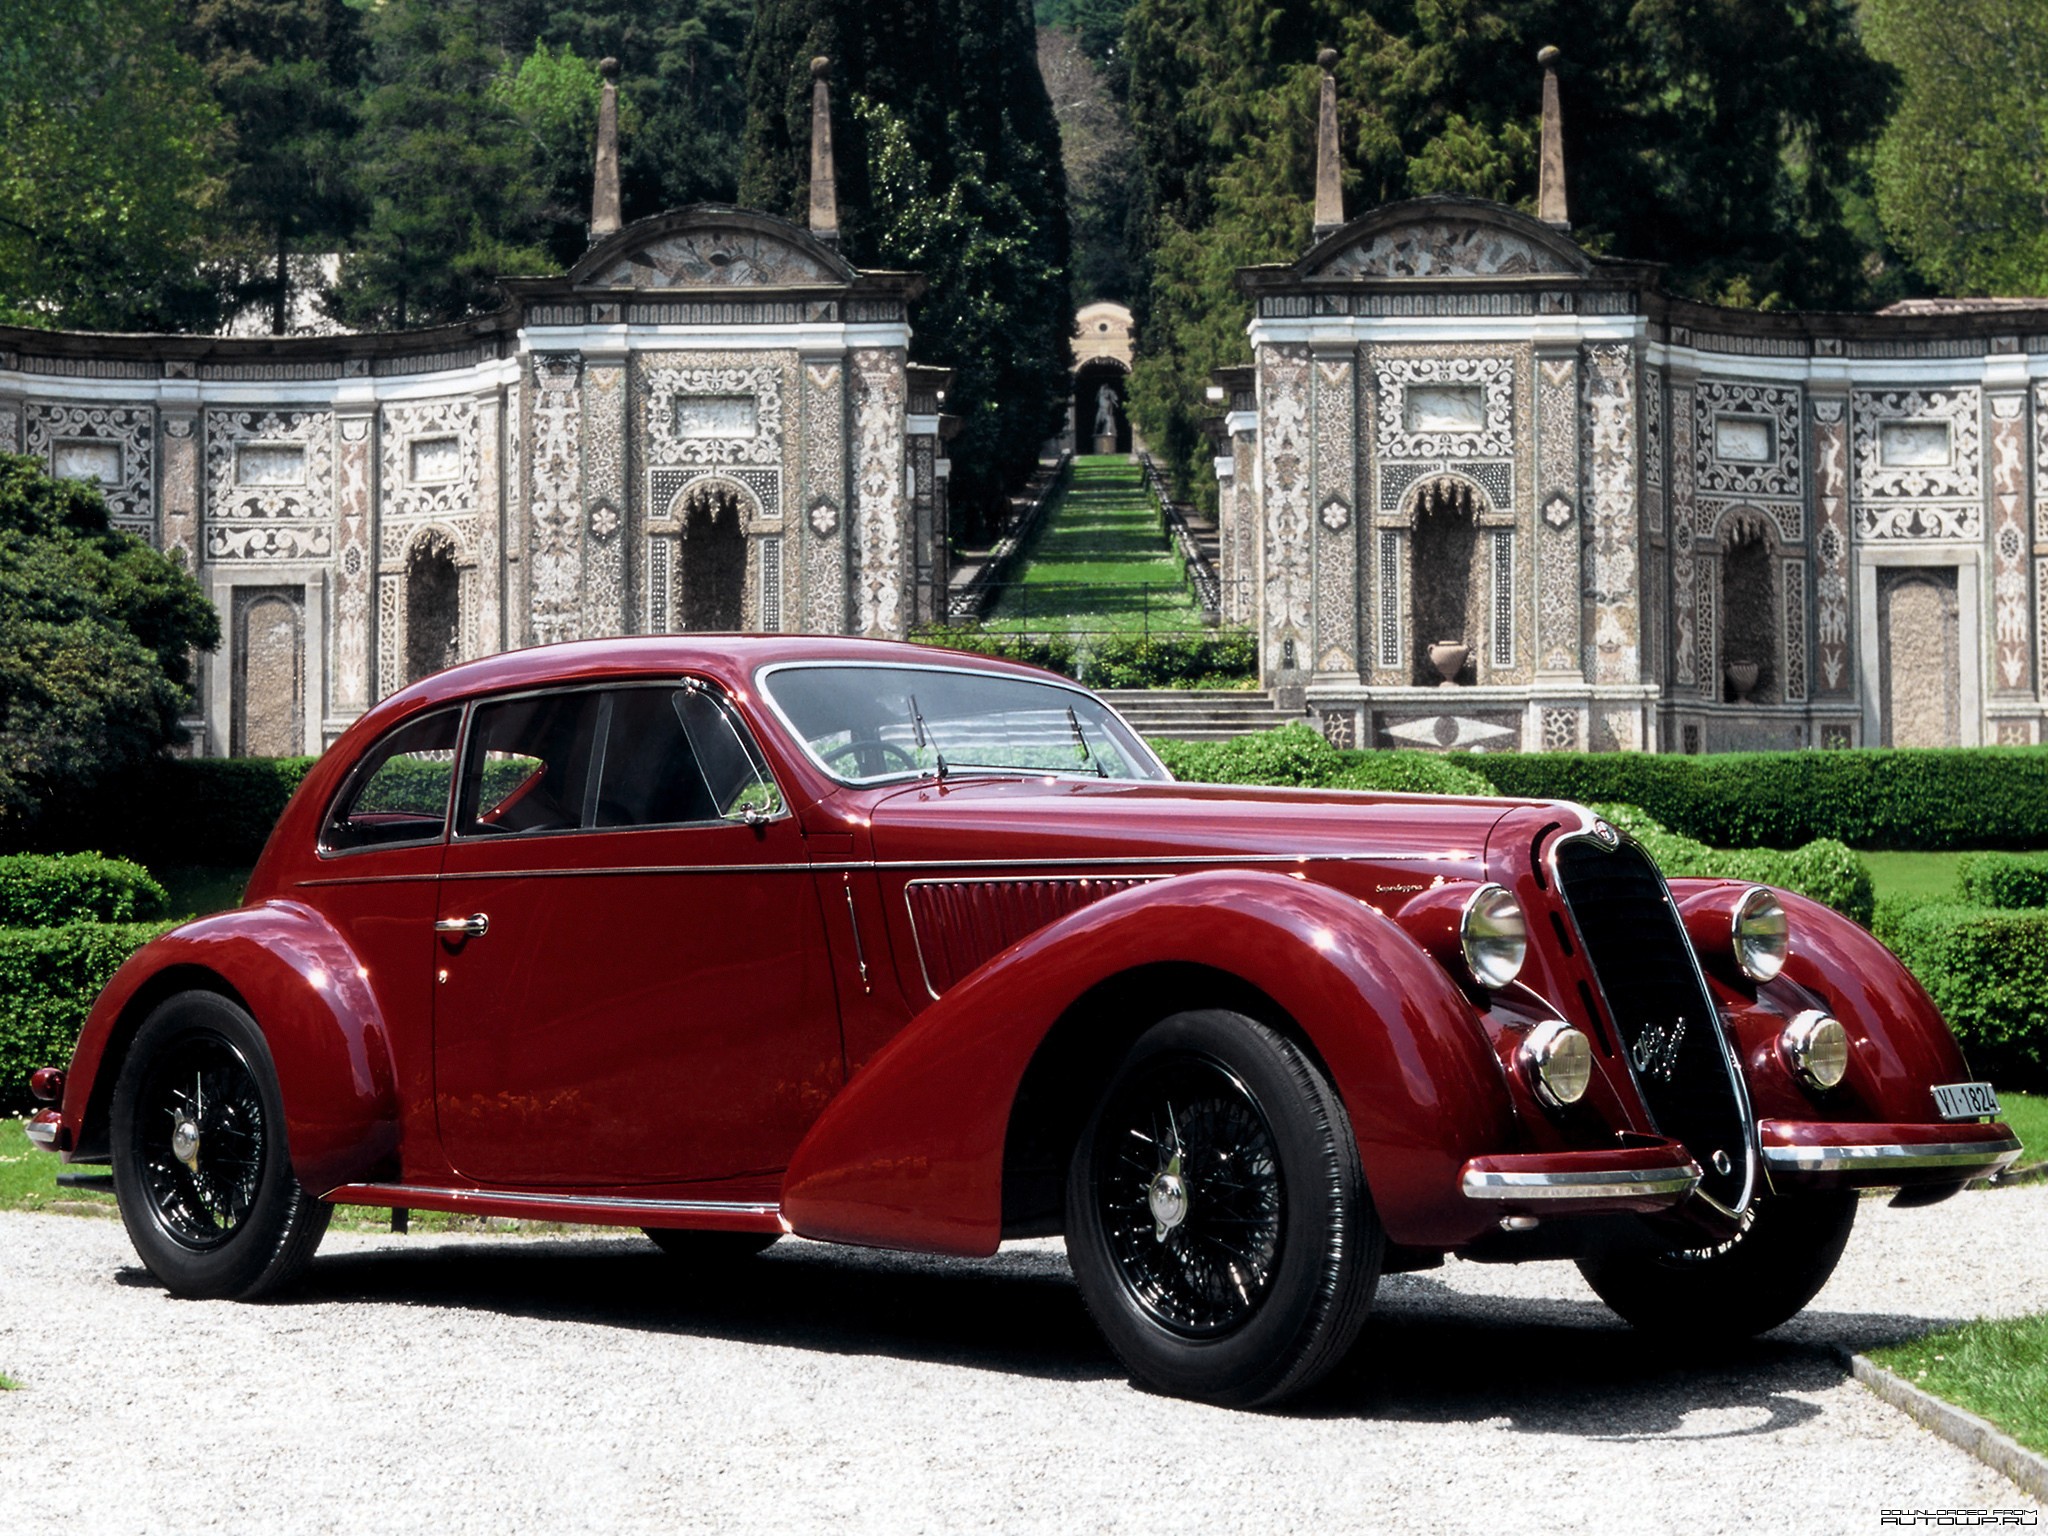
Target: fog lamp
1559	1062
47	1084
1761	935
1493	936
1818	1048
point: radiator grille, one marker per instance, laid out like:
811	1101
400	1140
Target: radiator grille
1659	1009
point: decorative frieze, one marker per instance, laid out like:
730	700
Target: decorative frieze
113	446
1336	534
1918	463
1284	452
879	405
2011	610
1557	532
270	485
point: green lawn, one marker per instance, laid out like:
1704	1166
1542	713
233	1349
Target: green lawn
1099	563
1997	1369
1913	874
2027	1114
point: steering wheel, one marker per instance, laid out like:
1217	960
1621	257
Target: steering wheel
864	752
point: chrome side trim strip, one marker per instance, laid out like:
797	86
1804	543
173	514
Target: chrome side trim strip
398	1192
1612	1184
1879	1157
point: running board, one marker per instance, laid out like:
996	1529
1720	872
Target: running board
590	1210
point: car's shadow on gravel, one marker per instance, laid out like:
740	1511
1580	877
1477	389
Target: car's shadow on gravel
1430	1352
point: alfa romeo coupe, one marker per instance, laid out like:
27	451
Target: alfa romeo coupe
727	938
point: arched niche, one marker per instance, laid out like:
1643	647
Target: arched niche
1101	382
433	604
713	517
1750	605
268	711
1459	574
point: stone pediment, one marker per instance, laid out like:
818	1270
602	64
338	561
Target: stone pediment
710	248
1446	237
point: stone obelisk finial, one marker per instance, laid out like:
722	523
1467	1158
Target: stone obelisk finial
604	191
1329	171
1550	199
824	173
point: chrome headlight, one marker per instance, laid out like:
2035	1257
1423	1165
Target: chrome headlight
1761	935
1817	1047
1558	1060
1493	936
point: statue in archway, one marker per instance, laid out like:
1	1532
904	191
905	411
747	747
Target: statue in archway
1105	412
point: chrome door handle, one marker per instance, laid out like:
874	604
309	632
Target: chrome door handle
474	926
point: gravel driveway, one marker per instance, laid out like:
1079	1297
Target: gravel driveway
515	1385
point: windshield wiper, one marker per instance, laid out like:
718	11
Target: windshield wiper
1081	741
923	737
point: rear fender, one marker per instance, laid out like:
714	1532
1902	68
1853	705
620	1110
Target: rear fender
910	1154
312	999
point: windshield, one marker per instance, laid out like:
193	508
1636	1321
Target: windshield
865	724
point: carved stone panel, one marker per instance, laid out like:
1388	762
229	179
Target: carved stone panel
555	538
268	639
605	502
2012	611
715	259
879	405
1557	531
1918	464
1613	565
181	490
822	525
354	562
1284	476
270	485
1831	547
1920	656
1336	531
114	446
1443	249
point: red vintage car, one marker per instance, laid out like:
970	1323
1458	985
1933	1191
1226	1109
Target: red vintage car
727	938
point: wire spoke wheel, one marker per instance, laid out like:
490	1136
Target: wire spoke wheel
1190	1194
199	1140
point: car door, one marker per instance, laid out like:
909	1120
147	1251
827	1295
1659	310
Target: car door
632	985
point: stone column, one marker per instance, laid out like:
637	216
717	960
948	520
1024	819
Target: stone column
1286	582
2012	621
824	500
355	557
1558	515
1335	472
554	537
605	497
879	407
1834	677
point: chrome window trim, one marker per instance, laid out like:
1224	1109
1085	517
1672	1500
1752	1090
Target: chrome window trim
762	675
1747	1113
355	777
1625	1183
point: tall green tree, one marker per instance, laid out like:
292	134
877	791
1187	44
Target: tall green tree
1962	169
286	74
1724	137
450	173
108	188
97	631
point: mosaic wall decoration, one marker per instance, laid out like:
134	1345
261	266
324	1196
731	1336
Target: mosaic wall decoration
1560	730
1692	626
10	429
1557	513
1918	461
1284	478
1792	643
1614	571
666	392
822	524
1443	249
2041	468
879	414
556	500
604	498
276	502
353	566
715	259
179	535
2011	611
1831	546
1747	453
1402	433
1336	531
1653	451
112	445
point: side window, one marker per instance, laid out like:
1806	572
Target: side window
399	792
528	766
674	756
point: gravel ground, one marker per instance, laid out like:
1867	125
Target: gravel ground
509	1385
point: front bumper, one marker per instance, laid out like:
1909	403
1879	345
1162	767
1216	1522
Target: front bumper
1804	1155
46	1130
1642	1180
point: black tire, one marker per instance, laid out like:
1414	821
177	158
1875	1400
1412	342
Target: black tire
1777	1263
218	1213
1253	1283
709	1250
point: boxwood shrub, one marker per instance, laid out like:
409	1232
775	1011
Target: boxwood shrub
1826	870
2003	879
1116	661
48	980
176	811
1987	970
44	890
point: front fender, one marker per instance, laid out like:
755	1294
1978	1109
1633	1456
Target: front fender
311	997
910	1154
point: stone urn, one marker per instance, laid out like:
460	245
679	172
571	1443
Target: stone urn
1448	657
1742	676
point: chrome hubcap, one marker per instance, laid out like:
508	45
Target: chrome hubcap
1168	1198
185	1143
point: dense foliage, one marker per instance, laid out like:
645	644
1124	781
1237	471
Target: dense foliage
1987	970
2003	879
209	810
97	632
45	890
949	164
1726	140
1825	869
48	980
1115	661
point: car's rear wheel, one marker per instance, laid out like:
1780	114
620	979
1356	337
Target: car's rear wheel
201	1168
1218	1220
709	1250
1778	1262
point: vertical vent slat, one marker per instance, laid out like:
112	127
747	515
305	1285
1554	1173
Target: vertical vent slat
960	924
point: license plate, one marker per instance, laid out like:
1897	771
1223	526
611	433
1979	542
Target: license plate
1965	1101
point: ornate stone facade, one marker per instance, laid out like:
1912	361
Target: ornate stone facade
518	480
1682	528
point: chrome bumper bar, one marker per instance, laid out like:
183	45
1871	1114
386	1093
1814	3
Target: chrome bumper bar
1968	1159
1676	1179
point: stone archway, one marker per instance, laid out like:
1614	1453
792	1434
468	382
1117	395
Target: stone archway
1104	378
712	517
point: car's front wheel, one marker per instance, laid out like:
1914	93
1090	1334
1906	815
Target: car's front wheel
1217	1217
1778	1262
201	1170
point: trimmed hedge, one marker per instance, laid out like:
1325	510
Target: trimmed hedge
1826	870
1987	970
206	810
1967	797
49	978
45	890
1296	754
1116	661
2003	879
